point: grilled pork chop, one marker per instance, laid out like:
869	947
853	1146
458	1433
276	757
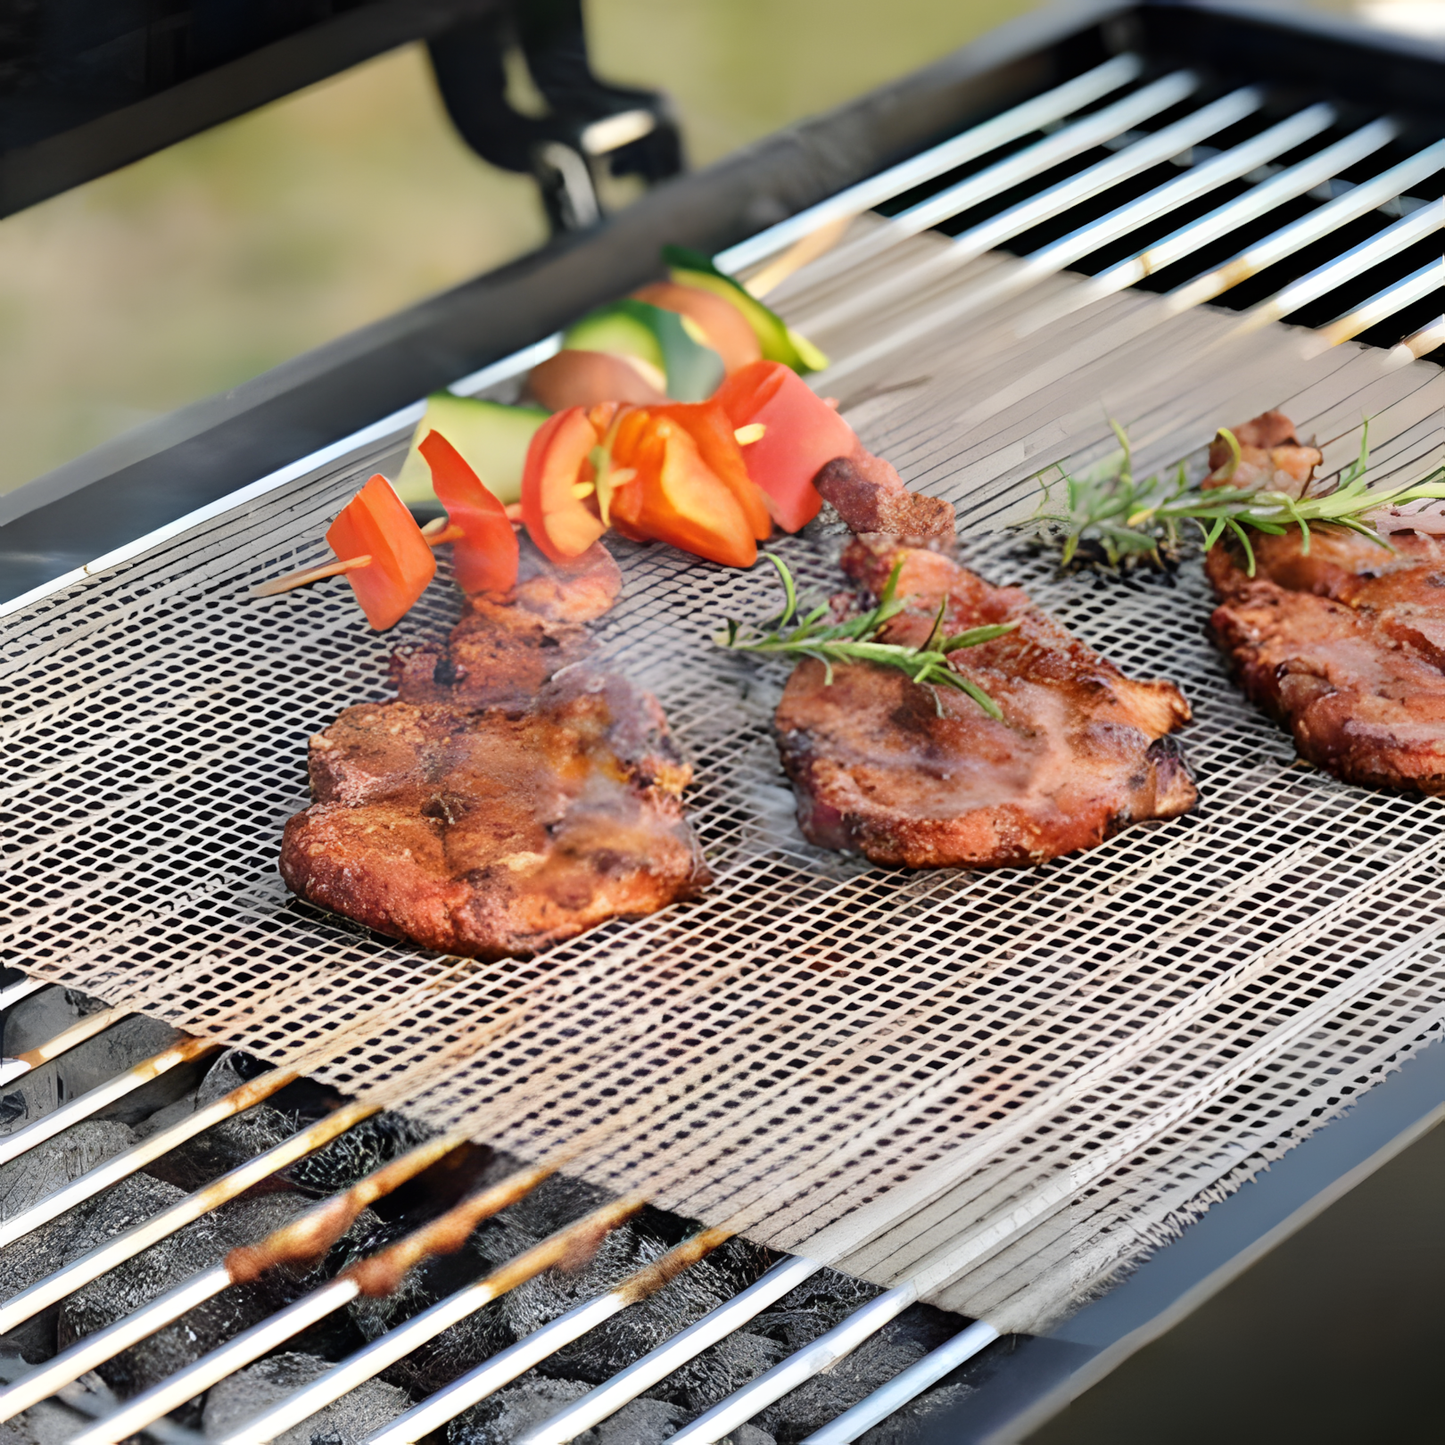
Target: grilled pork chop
505	648
883	767
493	833
1344	645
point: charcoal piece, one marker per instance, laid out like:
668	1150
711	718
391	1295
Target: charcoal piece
906	1426
48	1423
627	1336
355	1417
62	1240
814	1307
41	1017
58	1161
516	1408
233	1142
640	1422
174	1260
718	1371
749	1434
823	1398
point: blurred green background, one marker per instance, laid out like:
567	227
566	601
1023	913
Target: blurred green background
199	267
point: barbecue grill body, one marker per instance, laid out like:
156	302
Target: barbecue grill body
106	500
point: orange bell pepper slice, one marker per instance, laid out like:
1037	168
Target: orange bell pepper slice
484	558
711	429
675	496
376	521
555	491
801	435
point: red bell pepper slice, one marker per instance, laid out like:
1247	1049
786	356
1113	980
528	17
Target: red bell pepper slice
559	521
801	435
484	558
675	496
376	521
711	429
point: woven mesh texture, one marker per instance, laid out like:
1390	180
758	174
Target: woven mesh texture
1007	1085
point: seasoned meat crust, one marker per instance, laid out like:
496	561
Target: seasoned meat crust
1081	751
1343	644
505	648
493	833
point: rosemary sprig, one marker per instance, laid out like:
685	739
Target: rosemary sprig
854	640
1133	517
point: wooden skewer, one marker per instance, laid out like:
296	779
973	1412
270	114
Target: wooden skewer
450	534
291	580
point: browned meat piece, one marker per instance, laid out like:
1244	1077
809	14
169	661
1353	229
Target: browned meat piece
1344	644
1081	751
1359	698
1271	456
504	650
498	655
492	833
868	503
577	591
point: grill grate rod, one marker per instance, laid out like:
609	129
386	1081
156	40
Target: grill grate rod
1323	279
54	1287
906	1386
65	1040
1159	146
101	1097
799	1367
1285	186
122	1165
1405	292
377	1274
13	993
1031	115
492	1374
306	1237
1420	343
1359	201
1050	260
610	1396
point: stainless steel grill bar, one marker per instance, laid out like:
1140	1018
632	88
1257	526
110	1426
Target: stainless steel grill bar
1142	156
1032	115
1083	135
113	1170
13	993
101	1097
492	1374
1357	202
1323	279
1420	343
1050	260
54	1287
305	1237
76	1034
906	1386
250	1345
608	1398
802	1365
1297	180
1405	292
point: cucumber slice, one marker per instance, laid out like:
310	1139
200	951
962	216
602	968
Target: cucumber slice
491	437
778	340
660	338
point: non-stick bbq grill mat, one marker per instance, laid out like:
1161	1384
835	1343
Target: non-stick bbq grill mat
1006	1084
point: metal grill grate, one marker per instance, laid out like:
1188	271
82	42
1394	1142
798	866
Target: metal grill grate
993	1091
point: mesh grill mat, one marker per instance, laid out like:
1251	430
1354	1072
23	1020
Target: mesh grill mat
1006	1084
